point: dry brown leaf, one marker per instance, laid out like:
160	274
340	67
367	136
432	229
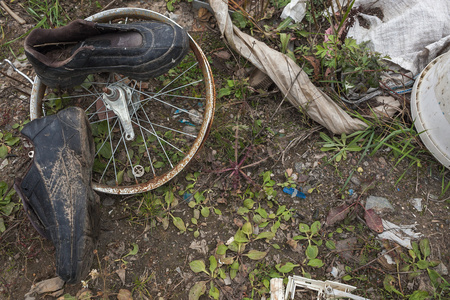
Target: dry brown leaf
337	214
373	220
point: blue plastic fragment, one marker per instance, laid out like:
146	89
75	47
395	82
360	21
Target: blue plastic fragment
184	121
350	192
294	192
187	197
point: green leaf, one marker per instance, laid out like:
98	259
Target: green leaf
425	248
197	290
104	150
299	237
8	208
248	203
12	141
419	295
256	255
198	266
242	210
158	164
265	235
134	251
178	222
3	151
234	269
205	211
262	212
312	251
315	227
194	221
212	264
330	245
347	278
303	228
217	211
247	228
240	237
317	263
196	234
214	292
285	268
276	246
221	249
2	225
422	264
281	209
275	226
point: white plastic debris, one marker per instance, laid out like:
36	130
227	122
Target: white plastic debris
276	289
296	10
402	234
326	289
411	32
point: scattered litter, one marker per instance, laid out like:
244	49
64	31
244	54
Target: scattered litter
276	289
417	203
379	204
428	33
292	81
402	234
294	193
296	10
326	289
442	269
195	116
184	121
351	192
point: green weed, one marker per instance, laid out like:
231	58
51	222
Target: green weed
49	12
7	206
7	140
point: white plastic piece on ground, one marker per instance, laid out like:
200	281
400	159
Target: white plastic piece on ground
325	289
276	289
286	74
402	234
296	10
430	107
411	32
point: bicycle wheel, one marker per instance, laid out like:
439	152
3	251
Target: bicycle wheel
159	129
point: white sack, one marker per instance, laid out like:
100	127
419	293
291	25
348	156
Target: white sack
287	75
412	32
296	10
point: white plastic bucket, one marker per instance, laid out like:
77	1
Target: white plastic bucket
430	107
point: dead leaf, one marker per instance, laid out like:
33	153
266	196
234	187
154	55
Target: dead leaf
197	290
337	214
345	248
124	295
316	65
225	55
238	222
289	172
204	15
373	220
294	245
121	273
200	246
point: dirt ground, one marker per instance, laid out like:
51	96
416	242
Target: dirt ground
160	269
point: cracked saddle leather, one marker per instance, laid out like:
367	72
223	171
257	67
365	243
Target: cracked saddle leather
56	190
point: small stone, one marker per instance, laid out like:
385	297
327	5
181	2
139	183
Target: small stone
227	280
379	204
4	164
441	269
355	181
